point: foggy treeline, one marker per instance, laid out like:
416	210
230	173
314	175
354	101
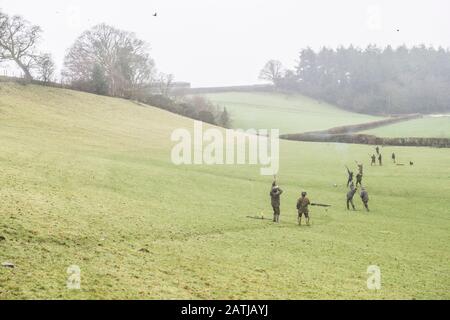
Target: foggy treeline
109	61
374	80
103	60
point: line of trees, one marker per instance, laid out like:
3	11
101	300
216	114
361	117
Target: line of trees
103	60
194	107
373	81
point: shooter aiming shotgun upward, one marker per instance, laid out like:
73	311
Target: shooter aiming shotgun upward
275	194
350	176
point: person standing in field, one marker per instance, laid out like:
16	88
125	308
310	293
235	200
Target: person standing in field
359	178
377	149
360	168
365	198
380	159
275	194
393	157
374	160
350	196
350	177
303	208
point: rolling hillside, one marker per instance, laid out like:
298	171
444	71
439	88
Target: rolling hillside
289	113
87	180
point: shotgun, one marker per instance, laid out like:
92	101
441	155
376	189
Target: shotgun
259	218
321	205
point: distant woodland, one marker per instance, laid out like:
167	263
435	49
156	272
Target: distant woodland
373	80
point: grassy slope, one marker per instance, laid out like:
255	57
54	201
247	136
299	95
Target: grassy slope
290	114
87	180
425	127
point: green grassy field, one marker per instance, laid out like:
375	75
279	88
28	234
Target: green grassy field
87	180
289	113
434	127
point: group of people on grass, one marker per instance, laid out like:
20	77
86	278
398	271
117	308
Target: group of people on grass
303	202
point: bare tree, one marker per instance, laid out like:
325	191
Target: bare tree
165	84
121	59
272	71
135	64
18	41
3	22
45	67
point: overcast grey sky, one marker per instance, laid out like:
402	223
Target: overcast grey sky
227	42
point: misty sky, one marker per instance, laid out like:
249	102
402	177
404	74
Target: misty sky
227	42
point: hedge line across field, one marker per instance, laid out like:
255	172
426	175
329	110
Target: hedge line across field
369	139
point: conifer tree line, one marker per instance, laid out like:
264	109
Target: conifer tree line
374	80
